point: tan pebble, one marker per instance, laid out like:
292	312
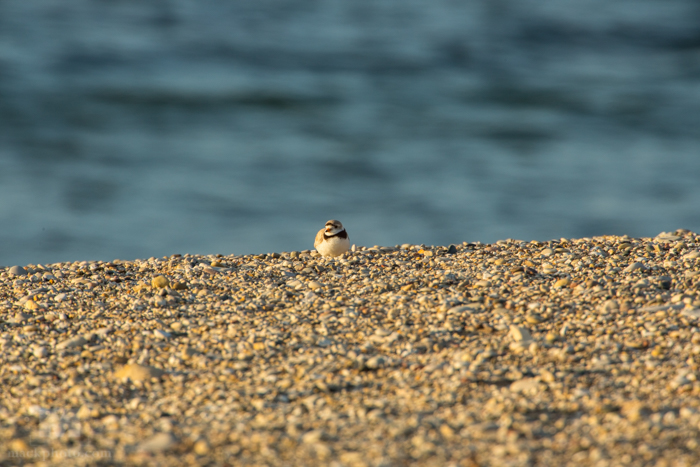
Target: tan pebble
534	347
447	431
633	267
311	437
39	351
110	421
609	306
314	285
464	308
18	445
520	334
179	286
518	346
534	319
31	305
77	341
634	343
633	410
201	447
158	443
160	282
136	372
562	283
375	362
678	298
526	385
285	384
85	412
353	458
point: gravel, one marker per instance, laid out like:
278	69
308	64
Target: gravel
565	352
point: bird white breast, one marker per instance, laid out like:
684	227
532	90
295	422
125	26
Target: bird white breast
334	246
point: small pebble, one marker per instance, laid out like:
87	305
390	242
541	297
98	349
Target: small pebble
201	447
692	255
526	385
73	342
17	271
520	334
39	351
160	282
158	334
60	297
157	443
634	267
136	372
547	252
31	305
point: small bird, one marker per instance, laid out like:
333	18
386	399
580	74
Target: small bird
332	240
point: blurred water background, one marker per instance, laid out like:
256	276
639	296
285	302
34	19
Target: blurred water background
137	129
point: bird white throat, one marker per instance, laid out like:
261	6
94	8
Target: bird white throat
332	240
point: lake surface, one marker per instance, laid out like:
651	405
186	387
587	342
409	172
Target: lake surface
138	129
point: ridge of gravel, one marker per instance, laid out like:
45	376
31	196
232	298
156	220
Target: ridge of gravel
565	352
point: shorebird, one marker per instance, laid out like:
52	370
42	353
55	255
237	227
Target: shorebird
332	240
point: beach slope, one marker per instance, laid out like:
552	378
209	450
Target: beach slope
565	352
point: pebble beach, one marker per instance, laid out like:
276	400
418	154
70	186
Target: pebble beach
564	352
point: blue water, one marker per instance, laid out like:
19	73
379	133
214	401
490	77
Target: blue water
138	129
